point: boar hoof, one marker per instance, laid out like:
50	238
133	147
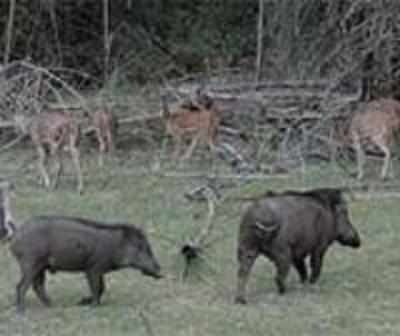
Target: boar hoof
47	303
20	311
86	301
240	300
281	291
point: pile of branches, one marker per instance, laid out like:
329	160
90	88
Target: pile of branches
280	124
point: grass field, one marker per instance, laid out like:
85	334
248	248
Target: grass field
358	294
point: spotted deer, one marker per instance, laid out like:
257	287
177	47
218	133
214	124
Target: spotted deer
105	124
52	132
197	120
376	126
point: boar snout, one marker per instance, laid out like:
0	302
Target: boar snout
352	239
355	242
154	272
3	233
156	276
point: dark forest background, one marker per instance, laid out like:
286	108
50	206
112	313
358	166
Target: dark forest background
149	40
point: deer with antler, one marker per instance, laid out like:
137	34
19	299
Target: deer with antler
52	132
376	126
197	120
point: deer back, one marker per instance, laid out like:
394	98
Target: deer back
54	128
381	118
193	120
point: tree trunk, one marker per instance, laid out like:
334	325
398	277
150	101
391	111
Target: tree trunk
260	35
10	25
106	32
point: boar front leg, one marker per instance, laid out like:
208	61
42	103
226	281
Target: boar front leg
246	261
316	264
40	289
97	287
28	274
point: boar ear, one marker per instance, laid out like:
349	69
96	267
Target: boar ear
132	233
334	196
349	193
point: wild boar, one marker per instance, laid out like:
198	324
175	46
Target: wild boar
54	243
287	227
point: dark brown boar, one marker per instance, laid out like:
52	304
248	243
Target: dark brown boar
287	227
56	243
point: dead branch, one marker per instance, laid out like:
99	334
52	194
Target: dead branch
58	80
10	27
12	143
194	248
147	324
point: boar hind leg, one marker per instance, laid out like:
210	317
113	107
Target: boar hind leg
97	287
282	262
316	264
40	289
301	268
246	261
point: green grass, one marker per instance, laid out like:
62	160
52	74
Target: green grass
358	293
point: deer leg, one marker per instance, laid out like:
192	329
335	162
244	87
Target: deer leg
178	145
386	162
192	146
211	136
102	147
57	157
42	166
212	146
110	142
76	160
360	157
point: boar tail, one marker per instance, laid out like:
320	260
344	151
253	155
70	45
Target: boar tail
253	198
267	232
